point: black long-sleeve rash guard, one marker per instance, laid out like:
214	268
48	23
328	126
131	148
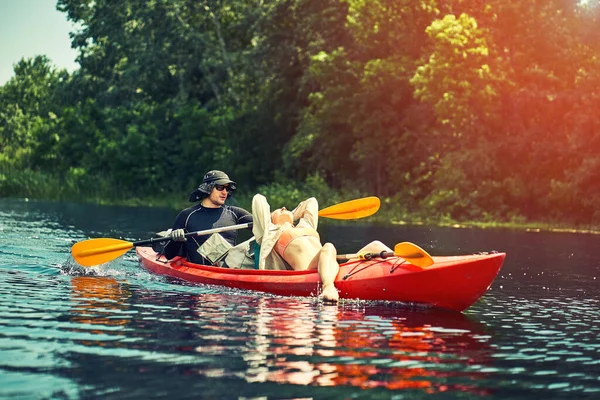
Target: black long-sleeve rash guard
200	218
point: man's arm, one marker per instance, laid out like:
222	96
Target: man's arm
242	215
173	248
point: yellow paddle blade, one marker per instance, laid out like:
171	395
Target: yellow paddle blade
99	251
413	254
353	209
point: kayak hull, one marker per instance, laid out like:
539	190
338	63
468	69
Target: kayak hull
452	282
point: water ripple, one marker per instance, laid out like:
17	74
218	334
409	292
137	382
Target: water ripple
117	331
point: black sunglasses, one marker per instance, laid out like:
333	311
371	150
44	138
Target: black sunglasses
221	187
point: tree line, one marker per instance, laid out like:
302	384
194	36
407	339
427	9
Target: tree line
459	109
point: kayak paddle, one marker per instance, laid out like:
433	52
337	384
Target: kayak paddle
99	251
353	209
409	251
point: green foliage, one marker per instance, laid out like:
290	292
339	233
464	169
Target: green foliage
459	74
290	193
455	110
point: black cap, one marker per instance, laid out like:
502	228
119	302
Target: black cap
211	178
217	177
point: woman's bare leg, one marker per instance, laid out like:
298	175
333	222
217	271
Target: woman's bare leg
328	270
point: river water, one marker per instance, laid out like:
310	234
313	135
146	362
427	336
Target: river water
120	332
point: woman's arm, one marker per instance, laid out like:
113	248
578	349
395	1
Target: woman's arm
261	215
307	211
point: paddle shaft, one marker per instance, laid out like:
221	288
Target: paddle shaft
409	251
128	245
197	233
366	256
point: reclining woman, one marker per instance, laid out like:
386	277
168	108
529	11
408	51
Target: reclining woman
284	245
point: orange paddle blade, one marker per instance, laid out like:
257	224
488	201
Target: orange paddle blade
99	251
413	254
353	209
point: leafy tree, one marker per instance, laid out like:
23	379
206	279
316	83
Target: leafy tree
465	109
29	105
362	126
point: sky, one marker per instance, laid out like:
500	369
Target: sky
34	27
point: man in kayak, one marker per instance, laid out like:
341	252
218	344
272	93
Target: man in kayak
285	245
211	212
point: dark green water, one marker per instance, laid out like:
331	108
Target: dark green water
120	332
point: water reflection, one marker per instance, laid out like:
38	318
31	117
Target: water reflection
421	350
99	301
71	333
299	342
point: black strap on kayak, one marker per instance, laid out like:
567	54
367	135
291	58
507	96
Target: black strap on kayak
360	263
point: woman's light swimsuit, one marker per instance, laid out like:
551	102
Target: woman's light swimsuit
290	234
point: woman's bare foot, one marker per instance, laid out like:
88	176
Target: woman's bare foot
330	294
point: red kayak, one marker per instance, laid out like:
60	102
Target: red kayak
452	282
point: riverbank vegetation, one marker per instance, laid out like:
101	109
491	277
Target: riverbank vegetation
451	112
